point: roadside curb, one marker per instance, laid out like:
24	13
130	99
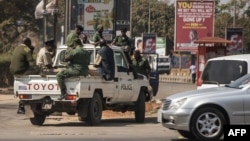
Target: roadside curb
6	90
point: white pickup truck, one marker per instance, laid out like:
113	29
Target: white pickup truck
86	96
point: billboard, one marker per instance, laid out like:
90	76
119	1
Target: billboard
122	19
160	45
92	13
149	43
194	19
234	35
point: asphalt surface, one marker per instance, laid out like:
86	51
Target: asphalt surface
115	126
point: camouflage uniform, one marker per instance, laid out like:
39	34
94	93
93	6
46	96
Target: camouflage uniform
97	37
79	60
70	39
22	61
141	66
121	40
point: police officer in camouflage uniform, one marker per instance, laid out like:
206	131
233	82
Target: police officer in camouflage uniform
140	64
74	35
97	37
124	42
22	62
78	59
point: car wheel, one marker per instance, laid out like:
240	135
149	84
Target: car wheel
95	110
186	134
38	119
140	108
207	124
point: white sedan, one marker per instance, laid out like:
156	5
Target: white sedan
201	114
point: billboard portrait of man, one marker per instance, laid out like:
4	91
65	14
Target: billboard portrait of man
234	35
149	43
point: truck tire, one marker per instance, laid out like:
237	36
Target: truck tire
38	119
140	108
95	110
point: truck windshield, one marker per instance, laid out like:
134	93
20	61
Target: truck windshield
223	71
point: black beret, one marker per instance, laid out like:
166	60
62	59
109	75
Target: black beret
79	27
49	42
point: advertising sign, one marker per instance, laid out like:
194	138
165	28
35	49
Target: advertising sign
122	19
234	35
160	45
96	12
194	19
149	43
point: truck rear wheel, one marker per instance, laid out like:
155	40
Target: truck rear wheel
140	108
95	110
38	119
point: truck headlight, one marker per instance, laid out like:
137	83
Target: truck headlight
176	105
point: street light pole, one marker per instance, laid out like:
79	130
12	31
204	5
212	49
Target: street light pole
234	13
149	15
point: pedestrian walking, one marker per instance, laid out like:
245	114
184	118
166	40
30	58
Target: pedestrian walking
193	72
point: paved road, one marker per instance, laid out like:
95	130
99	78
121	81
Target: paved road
18	127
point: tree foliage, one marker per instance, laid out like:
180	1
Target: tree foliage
162	18
153	15
16	17
17	20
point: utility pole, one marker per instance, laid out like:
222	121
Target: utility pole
44	21
130	17
55	22
149	18
234	13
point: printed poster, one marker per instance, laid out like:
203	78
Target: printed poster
149	43
96	12
194	19
234	35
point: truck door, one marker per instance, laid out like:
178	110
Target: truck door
154	75
124	77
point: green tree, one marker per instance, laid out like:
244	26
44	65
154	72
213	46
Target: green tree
161	18
17	19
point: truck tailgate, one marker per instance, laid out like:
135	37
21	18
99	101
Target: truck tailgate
39	87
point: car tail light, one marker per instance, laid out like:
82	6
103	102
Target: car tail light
71	97
25	96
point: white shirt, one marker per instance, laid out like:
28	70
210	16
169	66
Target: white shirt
43	57
192	69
